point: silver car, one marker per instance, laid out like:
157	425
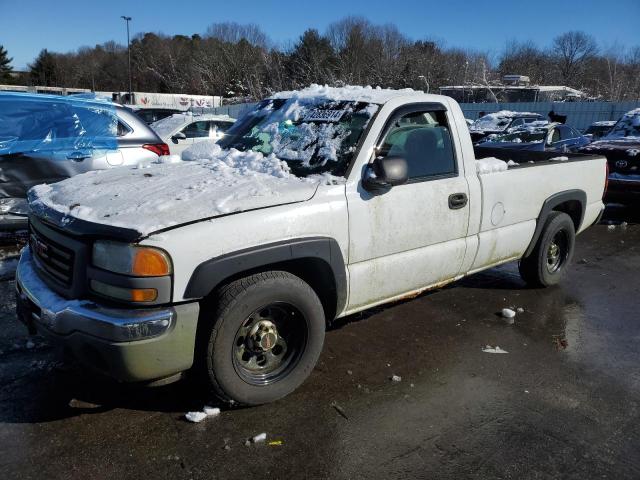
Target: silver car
61	152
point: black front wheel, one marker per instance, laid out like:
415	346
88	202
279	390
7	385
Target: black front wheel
262	336
548	262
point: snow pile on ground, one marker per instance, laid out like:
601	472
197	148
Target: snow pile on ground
490	165
348	93
169	159
497	121
490	349
197	417
215	182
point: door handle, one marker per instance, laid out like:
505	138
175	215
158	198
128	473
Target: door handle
78	155
457	200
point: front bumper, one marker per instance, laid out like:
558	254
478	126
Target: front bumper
131	345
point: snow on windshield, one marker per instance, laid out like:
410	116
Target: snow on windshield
628	127
316	131
497	121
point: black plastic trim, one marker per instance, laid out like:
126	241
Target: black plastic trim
548	206
208	275
161	284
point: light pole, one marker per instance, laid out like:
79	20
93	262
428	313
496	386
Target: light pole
127	20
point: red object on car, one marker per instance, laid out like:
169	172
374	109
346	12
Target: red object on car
159	149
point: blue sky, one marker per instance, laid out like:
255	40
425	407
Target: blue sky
27	26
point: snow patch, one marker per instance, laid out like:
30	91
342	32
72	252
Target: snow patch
496	349
195	417
211	182
490	165
348	93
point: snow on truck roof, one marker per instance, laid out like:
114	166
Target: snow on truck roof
351	93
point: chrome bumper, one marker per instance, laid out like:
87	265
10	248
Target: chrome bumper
131	345
60	316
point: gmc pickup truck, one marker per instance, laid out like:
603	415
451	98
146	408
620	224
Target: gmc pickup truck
317	204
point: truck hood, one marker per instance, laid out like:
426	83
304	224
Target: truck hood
161	196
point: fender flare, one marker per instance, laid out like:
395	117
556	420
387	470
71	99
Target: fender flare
549	205
211	273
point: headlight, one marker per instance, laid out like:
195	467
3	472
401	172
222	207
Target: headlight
131	260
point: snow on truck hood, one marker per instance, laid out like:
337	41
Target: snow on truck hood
215	182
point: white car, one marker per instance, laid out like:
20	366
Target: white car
323	203
181	130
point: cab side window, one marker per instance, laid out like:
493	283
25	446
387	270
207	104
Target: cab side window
197	130
423	139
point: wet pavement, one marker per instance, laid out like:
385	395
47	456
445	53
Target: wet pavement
563	403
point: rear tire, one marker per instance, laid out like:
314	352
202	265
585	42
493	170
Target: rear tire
260	338
548	262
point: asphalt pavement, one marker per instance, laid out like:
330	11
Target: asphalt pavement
562	403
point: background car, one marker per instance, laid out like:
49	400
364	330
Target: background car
598	130
621	146
151	115
541	136
46	138
500	122
182	130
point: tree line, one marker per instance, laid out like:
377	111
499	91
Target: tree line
241	63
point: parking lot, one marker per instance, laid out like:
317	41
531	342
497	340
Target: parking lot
563	403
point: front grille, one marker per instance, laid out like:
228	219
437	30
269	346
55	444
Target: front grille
53	258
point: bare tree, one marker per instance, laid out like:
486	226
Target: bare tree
572	50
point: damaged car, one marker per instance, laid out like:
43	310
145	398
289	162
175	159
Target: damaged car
47	138
538	136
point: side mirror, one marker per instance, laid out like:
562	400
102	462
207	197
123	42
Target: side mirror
385	173
179	136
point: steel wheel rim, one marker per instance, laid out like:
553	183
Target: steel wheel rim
269	343
557	251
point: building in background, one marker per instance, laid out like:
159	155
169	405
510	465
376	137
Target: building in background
514	88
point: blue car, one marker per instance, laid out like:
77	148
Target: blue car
538	136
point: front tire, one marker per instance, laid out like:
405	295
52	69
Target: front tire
548	262
262	336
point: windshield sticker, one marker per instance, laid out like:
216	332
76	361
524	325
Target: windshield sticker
317	115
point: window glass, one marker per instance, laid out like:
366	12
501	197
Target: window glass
221	126
197	130
565	132
555	136
122	129
516	122
423	139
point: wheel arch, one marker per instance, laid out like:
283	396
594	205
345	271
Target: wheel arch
571	202
316	260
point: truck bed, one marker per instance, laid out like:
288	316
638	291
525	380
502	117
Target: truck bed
528	158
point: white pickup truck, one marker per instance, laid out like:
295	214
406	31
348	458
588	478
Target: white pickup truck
318	204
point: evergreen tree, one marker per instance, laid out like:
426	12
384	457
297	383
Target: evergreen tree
5	64
43	69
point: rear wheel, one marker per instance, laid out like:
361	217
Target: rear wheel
547	263
261	338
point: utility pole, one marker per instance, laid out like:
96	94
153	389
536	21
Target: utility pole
127	20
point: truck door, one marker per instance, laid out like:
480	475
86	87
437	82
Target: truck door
413	235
